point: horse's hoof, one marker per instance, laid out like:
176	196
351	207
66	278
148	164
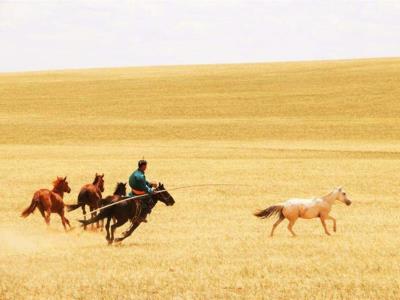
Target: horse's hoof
117	243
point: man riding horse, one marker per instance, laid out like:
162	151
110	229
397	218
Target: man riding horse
140	186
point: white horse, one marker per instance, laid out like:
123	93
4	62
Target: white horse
295	208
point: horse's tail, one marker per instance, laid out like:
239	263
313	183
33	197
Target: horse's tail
82	198
100	216
270	211
71	207
27	211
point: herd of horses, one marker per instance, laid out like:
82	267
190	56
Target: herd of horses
113	207
116	208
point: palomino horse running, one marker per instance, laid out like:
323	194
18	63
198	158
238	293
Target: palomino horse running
293	209
90	195
50	201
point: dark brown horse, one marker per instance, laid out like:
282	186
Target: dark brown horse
90	195
50	201
132	210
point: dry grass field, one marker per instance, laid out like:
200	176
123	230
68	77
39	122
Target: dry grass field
284	129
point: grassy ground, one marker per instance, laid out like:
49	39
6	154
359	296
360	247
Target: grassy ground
286	129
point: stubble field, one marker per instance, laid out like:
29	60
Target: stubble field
283	130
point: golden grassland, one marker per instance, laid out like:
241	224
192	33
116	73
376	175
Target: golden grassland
285	129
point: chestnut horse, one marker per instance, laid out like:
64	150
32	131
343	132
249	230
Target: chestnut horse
50	201
293	209
90	195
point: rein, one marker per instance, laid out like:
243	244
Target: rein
157	192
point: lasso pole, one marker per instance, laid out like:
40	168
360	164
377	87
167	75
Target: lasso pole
157	192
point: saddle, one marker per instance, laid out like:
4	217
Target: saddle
137	192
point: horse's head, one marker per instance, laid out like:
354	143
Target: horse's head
342	196
120	190
61	184
163	195
99	181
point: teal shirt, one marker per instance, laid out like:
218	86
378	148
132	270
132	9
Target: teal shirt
138	182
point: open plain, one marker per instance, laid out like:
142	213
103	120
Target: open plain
276	130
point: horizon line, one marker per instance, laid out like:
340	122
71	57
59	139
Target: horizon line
88	68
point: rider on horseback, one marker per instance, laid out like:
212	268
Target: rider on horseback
140	186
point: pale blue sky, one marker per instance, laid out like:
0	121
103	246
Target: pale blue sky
42	35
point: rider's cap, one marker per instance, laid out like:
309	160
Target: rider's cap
142	162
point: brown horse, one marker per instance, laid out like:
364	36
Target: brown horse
90	195
295	208
50	201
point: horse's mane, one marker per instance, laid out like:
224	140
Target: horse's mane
57	181
119	188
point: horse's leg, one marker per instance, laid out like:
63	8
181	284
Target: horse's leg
84	215
93	215
101	224
67	221
108	229
97	199
120	222
334	222
127	233
322	218
290	225
281	218
47	217
41	209
63	220
98	222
